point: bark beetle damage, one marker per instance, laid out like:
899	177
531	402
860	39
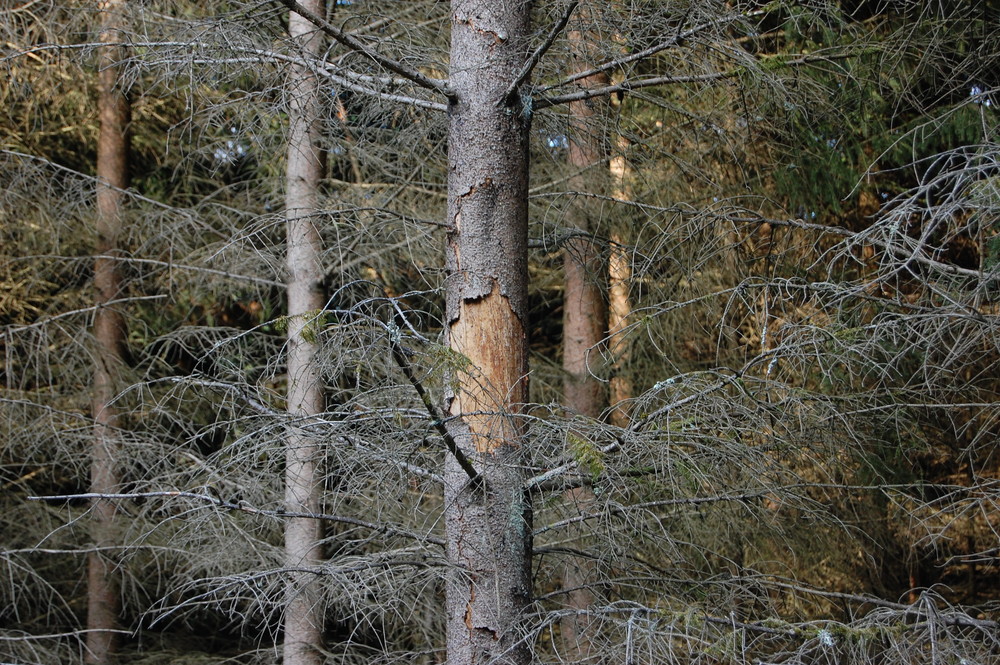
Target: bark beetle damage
468	607
498	36
485	182
486	331
477	628
480	230
452	240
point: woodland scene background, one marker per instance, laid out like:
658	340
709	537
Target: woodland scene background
761	329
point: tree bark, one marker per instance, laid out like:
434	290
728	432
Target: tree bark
488	521
103	584
585	313
304	613
619	302
585	306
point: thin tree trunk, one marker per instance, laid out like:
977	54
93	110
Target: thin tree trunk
304	612
619	303
103	585
585	312
488	521
584	316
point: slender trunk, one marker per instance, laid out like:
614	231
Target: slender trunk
584	309
584	318
488	521
103	596
304	613
619	304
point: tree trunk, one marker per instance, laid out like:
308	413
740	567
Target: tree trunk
488	521
584	314
103	586
584	308
304	613
619	303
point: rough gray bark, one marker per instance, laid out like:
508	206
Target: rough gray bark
488	521
303	620
103	584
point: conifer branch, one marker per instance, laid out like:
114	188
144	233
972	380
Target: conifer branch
399	355
536	57
357	45
240	506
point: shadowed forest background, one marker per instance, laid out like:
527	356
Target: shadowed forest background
643	331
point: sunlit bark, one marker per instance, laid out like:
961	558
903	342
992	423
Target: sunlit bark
488	520
619	302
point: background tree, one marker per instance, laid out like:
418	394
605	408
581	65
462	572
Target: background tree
585	300
303	473
103	602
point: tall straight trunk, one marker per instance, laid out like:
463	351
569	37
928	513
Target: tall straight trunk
304	613
619	303
488	521
585	313
103	585
584	309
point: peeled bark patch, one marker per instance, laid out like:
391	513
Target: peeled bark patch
489	334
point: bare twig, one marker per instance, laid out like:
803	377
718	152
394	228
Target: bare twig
674	40
242	507
629	85
399	355
536	57
49	636
83	310
356	45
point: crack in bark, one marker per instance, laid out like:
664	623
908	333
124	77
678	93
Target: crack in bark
468	608
498	36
